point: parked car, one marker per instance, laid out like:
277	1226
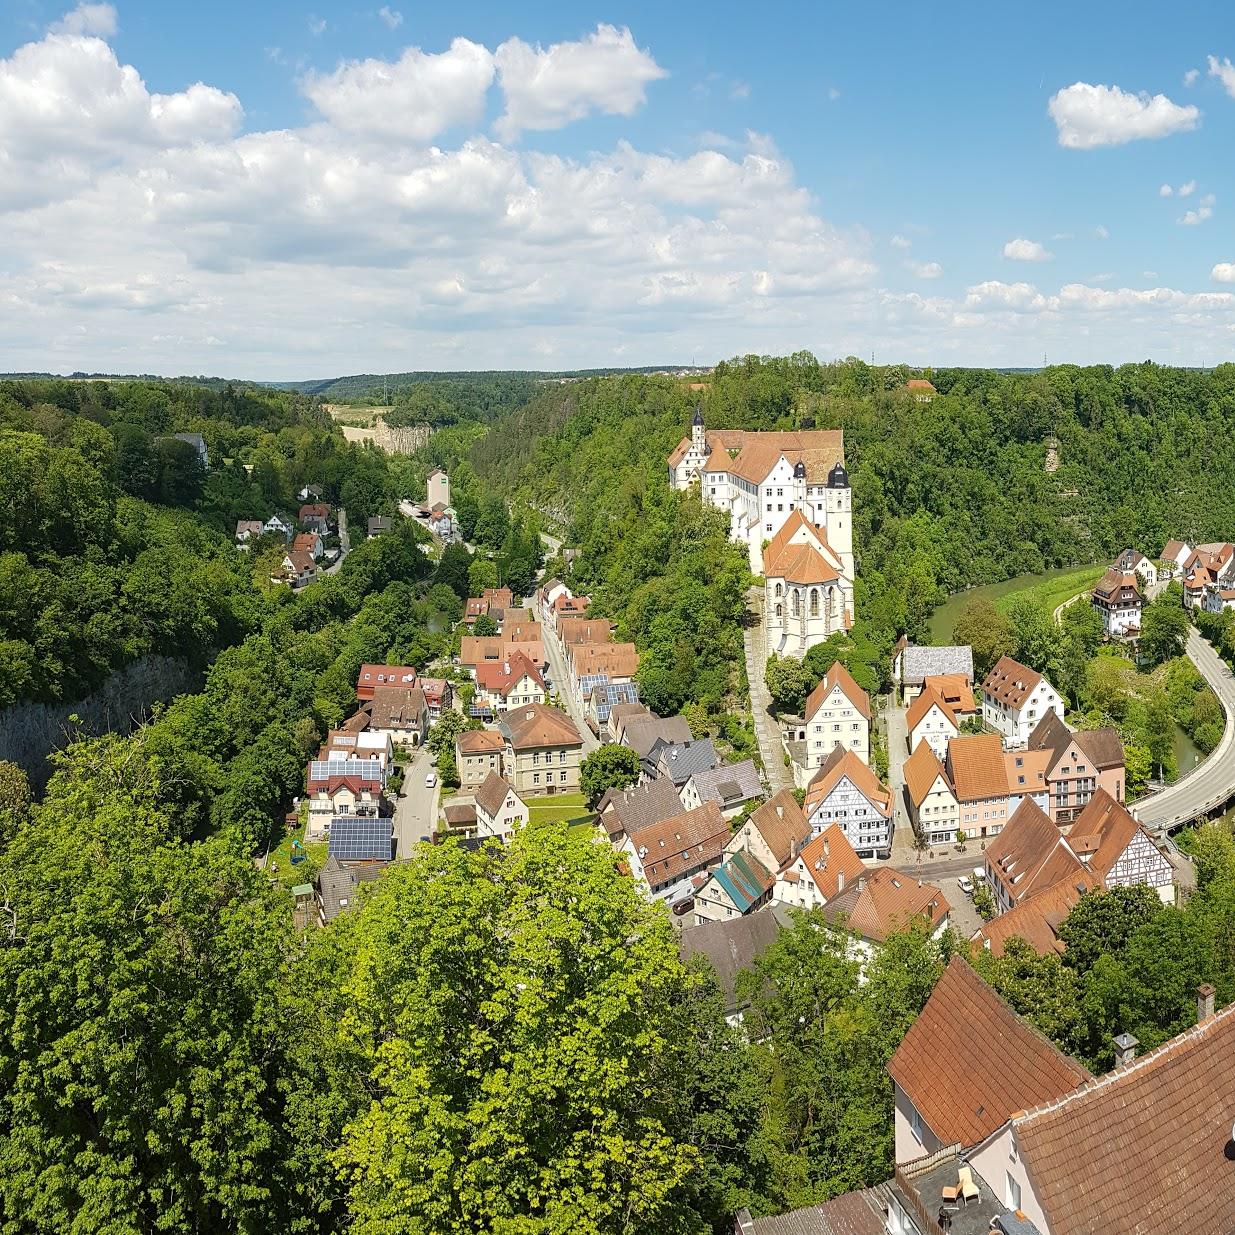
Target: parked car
430	780
965	883
683	906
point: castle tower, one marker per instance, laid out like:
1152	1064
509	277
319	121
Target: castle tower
838	510
697	439
799	487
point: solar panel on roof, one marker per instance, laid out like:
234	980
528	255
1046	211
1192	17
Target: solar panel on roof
360	838
324	769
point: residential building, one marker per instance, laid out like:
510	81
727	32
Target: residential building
438	693
601	696
883	901
1118	850
437	487
1118	601
477	753
847	792
775	833
543	750
568	607
760	479
1079	764
371	677
808	597
499	597
929	719
358	744
309	543
1015	698
933	807
572	630
626	812
1209	564
1133	562
666	856
679	761
1030	856
1026	775
499	809
821	870
642	733
619	714
339	787
1174	555
921	390
362	838
956	690
618	662
1216	599
474	607
299	568
506	684
378	525
338	885
249	529
739	885
912	665
731	946
1036	920
197	442
838	713
400	712
309	493
315	517
863	1212
966	1065
978	775
730	785
477	650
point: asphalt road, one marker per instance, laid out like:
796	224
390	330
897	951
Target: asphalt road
416	811
560	685
345	545
1209	784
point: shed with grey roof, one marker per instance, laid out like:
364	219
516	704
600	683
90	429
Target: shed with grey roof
912	665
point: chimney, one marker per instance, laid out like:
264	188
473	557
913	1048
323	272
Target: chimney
825	850
1204	1003
1125	1050
780	812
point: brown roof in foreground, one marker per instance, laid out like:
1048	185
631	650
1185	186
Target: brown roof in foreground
1010	682
887	901
968	1063
782	824
1038	919
1142	1150
838	675
921	770
976	767
1105	829
863	1212
1030	855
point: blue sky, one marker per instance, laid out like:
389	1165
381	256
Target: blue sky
284	190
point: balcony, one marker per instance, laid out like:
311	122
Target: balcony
919	1192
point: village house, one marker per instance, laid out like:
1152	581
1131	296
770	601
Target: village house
547	593
249	529
438	693
626	812
929	719
1172	559
338	787
820	871
933	807
437	488
475	650
730	785
921	390
1118	850
308	542
1216	599
775	832
371	677
278	525
1207	565
807	596
619	714
499	809
956	690
668	855
358	744
730	946
845	791
1029	857
566	608
913	665
643	733
838	713
477	753
1036	921
378	525
760	479
617	662
1015	698
979	779
677	762
400	712
506	684
1118	602
572	630
883	901
338	884
299	568
499	597
601	696
315	517
1133	562
543	750
740	885
1079	765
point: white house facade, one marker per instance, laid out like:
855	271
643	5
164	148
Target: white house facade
1014	700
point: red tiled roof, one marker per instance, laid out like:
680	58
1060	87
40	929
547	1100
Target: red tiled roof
1029	855
480	742
1038	919
842	762
314	510
969	1062
782	824
535	725
886	901
501	677
921	770
831	862
928	698
836	676
372	676
1010	682
682	843
976	767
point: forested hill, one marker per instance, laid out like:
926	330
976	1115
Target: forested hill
947	494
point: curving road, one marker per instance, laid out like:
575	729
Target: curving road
1211	783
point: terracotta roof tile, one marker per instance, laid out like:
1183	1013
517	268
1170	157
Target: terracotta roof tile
535	725
1037	920
921	770
502	677
836	676
782	824
955	689
840	763
976	767
1109	829
922	704
1010	682
491	795
968	1063
480	741
1029	855
682	843
886	901
830	860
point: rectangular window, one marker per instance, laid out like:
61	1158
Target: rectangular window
535	778
563	777
1012	1193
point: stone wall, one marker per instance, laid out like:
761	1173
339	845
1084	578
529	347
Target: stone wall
29	732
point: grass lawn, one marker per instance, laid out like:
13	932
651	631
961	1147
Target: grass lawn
303	872
560	807
1052	594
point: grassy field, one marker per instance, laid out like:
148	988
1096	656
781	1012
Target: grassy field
570	808
1053	593
304	871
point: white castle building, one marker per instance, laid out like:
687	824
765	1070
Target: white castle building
788	499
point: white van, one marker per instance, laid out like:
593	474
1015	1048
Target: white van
430	780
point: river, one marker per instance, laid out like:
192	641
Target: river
944	618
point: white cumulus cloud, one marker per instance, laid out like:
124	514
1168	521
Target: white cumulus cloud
925	270
1165	191
1190	77
97	19
1022	250
391	18
1223	272
1088	116
412	99
547	88
1224	71
1186	190
1203	212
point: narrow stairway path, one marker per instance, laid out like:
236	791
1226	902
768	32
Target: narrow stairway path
754	636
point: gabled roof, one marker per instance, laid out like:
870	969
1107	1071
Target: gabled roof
922	704
782	824
886	901
1103	829
502	677
954	689
584	630
395	706
1038	919
491	796
1030	855
641	733
683	843
480	742
615	659
1172	551
1011	682
800	564
976	767
1103	747
314	510
1026	770
745	880
632	810
1143	1149
840	763
730	946
1117	586
535	725
838	676
831	861
679	761
921	771
728	784
918	663
969	1062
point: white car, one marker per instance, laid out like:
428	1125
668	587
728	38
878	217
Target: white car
430	780
965	884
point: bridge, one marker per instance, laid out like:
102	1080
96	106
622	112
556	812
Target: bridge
1210	787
